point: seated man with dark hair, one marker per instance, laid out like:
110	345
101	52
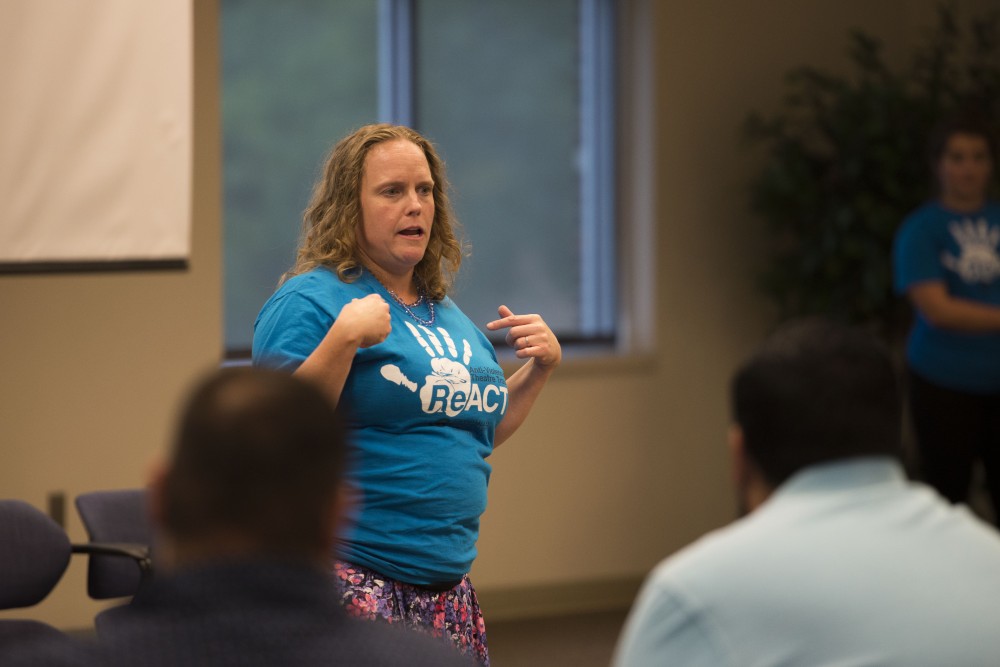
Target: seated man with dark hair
248	508
840	560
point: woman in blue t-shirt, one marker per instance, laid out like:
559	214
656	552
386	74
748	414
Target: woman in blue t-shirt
365	314
947	262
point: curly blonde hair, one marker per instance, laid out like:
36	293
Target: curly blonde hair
331	221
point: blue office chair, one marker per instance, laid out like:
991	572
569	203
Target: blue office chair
121	537
34	554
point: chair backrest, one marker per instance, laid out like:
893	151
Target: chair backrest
116	518
34	554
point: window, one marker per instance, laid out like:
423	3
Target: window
516	95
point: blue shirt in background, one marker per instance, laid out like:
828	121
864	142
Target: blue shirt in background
962	250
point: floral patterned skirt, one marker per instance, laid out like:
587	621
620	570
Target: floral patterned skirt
452	614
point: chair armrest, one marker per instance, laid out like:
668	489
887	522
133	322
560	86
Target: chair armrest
137	552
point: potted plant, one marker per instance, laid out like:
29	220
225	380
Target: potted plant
846	162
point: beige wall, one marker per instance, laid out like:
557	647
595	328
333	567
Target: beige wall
622	461
93	365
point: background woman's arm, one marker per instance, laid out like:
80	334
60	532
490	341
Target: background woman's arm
945	311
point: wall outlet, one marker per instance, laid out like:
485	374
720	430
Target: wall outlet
57	507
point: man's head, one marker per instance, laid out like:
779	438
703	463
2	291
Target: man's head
255	467
815	391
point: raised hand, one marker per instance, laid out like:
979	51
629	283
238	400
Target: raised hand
365	320
530	337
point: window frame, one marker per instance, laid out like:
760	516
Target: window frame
604	315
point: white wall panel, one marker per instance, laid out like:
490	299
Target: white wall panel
95	131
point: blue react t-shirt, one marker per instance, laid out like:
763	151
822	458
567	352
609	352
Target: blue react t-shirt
422	407
962	251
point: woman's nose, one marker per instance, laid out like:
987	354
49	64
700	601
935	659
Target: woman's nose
413	202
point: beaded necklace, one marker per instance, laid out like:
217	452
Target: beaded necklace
421	298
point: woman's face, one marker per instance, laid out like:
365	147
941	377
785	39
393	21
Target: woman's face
397	207
964	170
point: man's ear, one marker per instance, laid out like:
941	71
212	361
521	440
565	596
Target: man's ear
164	548
737	454
752	488
158	475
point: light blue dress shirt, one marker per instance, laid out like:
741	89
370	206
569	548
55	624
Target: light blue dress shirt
846	563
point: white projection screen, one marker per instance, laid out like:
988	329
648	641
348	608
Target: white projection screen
95	134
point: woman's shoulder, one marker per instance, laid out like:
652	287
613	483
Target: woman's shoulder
927	209
320	282
320	288
923	219
319	276
935	211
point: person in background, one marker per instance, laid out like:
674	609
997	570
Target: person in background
246	510
839	559
365	315
946	260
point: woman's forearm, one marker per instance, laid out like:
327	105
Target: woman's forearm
945	311
330	363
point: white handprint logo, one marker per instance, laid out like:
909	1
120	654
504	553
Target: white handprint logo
979	261
448	386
